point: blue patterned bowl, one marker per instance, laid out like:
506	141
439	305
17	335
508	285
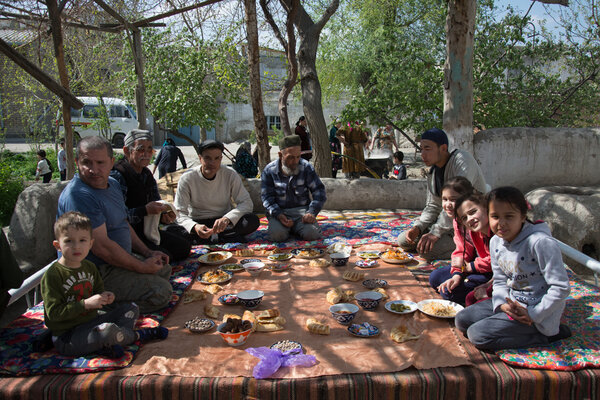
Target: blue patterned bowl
368	300
343	313
250	298
339	259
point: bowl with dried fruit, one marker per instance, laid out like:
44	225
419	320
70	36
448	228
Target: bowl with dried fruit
234	331
343	313
368	300
250	298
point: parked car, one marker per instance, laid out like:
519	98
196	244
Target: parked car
113	124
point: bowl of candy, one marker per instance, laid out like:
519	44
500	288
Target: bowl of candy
368	300
343	313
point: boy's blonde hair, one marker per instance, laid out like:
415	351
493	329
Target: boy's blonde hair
71	219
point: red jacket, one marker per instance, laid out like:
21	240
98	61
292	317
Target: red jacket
475	249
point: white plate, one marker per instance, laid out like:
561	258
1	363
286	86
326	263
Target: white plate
457	307
205	259
225	279
371	255
395	261
408	303
280	257
296	253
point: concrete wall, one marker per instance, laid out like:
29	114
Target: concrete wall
361	194
530	158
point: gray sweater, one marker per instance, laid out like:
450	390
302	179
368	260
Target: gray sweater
530	270
460	163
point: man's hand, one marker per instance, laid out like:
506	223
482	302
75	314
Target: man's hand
308	218
516	311
164	258
203	231
285	221
220	225
151	265
167	218
426	243
94	302
480	292
154	207
450	284
412	234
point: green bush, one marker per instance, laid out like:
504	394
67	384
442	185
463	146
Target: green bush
11	185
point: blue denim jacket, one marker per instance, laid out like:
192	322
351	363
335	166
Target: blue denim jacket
279	192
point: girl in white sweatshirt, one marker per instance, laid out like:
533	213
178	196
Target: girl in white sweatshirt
530	281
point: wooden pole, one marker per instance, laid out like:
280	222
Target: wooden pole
64	80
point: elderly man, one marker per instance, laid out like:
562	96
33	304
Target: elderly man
212	202
141	196
94	193
286	186
432	234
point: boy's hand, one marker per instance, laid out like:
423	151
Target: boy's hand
450	284
94	302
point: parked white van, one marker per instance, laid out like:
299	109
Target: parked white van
87	121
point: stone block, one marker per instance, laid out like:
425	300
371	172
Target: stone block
573	214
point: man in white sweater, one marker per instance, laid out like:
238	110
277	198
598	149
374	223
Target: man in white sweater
213	204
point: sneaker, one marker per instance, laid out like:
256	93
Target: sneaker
114	351
148	334
563	332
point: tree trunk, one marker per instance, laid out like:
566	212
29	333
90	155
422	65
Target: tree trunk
260	123
309	33
458	73
140	88
57	39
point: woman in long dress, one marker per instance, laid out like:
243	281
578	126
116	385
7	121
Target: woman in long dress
353	137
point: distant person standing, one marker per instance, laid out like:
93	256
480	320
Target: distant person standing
62	161
166	161
43	167
354	138
305	147
336	147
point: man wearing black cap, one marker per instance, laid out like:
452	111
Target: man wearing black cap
286	187
432	234
206	196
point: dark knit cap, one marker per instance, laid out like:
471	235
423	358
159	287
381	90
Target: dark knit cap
210	144
435	135
289	141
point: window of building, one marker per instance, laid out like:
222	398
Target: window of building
273	122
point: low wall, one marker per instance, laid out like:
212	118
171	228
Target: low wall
530	158
361	194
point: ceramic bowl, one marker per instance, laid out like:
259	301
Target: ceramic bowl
339	259
368	300
254	268
374	283
233	339
250	298
343	313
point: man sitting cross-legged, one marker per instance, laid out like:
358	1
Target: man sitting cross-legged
212	202
94	193
142	198
286	186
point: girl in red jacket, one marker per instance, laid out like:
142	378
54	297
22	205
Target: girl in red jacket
470	265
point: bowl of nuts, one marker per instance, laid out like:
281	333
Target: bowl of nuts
234	331
289	346
199	325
